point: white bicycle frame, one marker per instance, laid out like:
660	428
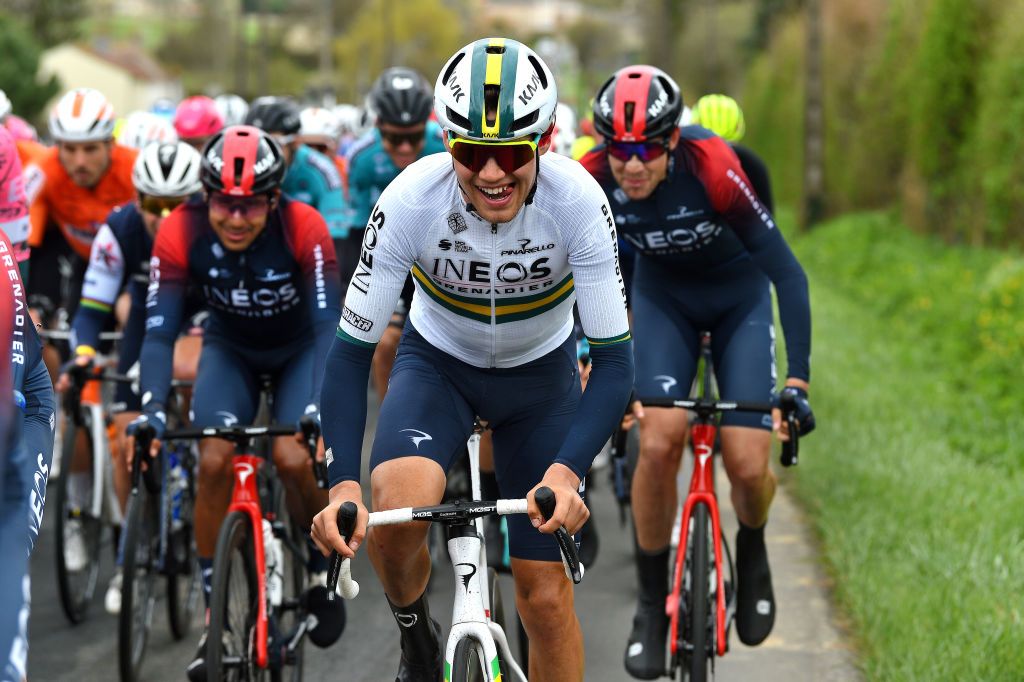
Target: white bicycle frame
471	613
104	503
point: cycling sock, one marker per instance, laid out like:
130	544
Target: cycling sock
419	641
206	572
755	600
489	486
652	575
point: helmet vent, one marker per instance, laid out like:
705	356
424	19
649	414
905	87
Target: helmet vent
451	67
525	121
495	49
458	119
628	110
492	93
540	71
239	169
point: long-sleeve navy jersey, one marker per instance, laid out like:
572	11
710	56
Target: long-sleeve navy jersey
280	291
705	222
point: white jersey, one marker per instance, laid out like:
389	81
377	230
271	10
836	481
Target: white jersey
491	295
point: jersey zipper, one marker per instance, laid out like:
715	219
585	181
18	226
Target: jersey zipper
494	311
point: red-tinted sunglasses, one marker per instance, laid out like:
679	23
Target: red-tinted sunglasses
250	208
645	151
510	156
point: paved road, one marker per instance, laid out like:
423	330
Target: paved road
806	645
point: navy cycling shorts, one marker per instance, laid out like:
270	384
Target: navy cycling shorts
669	314
431	404
227	386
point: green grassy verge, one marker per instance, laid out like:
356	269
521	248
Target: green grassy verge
914	476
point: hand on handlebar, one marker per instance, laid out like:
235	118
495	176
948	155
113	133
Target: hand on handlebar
797	390
151	422
324	530
570	512
78	363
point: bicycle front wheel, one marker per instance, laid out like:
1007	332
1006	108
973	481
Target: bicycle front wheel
79	527
184	578
699	607
138	589
234	604
468	663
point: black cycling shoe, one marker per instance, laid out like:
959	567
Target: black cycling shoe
645	651
419	671
755	600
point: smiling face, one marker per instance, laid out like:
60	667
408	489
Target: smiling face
497	195
639	179
238	221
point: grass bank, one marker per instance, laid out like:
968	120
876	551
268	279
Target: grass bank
915	476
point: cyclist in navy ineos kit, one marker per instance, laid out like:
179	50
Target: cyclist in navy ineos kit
266	271
707	252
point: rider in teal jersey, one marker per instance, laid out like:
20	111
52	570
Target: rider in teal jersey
312	178
402	101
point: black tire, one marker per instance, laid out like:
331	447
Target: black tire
498	616
138	588
76	587
699	621
233	604
184	578
467	664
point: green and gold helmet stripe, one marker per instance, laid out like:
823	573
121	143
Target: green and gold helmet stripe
498	68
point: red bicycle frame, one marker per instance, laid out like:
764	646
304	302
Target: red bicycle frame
702	490
245	498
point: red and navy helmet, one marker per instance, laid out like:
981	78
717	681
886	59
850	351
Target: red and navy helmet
636	104
242	161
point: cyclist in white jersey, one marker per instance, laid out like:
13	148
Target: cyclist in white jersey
500	246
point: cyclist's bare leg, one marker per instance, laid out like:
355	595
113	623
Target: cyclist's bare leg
303	497
745	454
384	358
544	599
213	492
186	357
399	553
119	457
654	498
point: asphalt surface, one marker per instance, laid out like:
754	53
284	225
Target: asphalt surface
805	645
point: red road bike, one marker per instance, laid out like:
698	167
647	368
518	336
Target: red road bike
701	602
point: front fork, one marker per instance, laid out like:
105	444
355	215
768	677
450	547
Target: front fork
701	491
245	498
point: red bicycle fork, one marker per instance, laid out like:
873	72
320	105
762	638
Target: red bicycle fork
245	498
702	490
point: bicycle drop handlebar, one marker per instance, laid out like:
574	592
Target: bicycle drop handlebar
706	408
454	513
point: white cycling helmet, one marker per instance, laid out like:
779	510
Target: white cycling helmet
565	130
167	170
319	122
5	105
348	117
232	109
82	115
143	127
686	118
523	93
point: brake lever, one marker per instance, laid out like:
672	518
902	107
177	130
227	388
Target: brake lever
566	545
341	567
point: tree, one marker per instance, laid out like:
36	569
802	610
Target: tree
421	34
18	70
51	22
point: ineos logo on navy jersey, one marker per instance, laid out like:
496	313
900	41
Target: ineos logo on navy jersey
240	299
675	239
525	248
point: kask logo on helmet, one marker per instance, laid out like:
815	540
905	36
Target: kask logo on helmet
530	90
658	105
